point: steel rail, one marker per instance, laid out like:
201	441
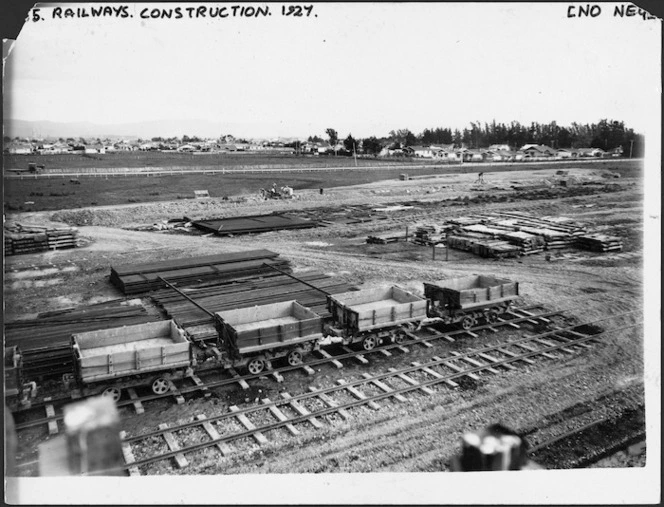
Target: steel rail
330	410
349	355
316	362
382	376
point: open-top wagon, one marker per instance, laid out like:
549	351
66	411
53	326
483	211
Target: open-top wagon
253	337
466	300
372	315
110	360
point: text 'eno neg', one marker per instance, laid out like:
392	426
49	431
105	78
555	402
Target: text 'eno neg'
595	10
181	12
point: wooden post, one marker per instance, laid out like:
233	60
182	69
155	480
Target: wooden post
406	233
433	252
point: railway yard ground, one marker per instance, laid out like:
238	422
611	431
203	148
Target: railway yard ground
603	381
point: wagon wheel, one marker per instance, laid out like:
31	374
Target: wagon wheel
295	357
399	338
112	393
467	322
369	343
255	366
160	386
492	317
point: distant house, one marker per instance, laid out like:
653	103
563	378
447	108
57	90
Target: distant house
186	148
501	155
420	151
94	148
19	148
323	148
499	147
472	155
565	153
591	152
538	152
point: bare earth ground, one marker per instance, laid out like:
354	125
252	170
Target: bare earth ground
421	436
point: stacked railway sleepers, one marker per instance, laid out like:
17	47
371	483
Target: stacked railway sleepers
482	246
141	278
252	224
45	341
383	239
599	243
19	239
429	235
243	293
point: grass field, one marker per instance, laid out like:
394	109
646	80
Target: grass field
175	159
60	193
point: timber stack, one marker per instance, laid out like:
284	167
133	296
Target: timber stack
141	278
309	290
600	243
20	239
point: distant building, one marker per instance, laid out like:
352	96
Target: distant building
591	152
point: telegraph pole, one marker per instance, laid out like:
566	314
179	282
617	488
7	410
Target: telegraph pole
631	143
355	153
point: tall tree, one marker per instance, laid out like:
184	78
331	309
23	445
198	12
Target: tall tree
371	146
350	144
332	135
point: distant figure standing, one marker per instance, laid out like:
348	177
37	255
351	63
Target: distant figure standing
480	178
321	191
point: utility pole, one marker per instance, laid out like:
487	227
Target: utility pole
355	153
631	143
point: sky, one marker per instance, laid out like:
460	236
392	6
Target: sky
363	69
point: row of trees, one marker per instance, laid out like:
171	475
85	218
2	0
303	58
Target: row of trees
606	134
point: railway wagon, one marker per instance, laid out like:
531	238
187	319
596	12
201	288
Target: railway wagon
373	315
255	336
467	299
17	393
110	360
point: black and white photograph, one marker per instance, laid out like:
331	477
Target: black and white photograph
347	253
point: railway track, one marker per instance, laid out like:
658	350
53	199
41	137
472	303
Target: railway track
592	441
52	405
311	407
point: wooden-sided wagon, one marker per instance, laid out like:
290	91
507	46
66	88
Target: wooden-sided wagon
110	360
17	392
372	315
467	299
255	336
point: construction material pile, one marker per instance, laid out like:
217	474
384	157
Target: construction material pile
45	340
482	246
252	224
507	234
247	292
20	239
599	243
429	235
383	239
141	278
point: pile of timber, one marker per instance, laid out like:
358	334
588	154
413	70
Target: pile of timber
482	246
243	293
599	243
252	224
429	235
141	278
45	341
20	239
383	239
528	243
